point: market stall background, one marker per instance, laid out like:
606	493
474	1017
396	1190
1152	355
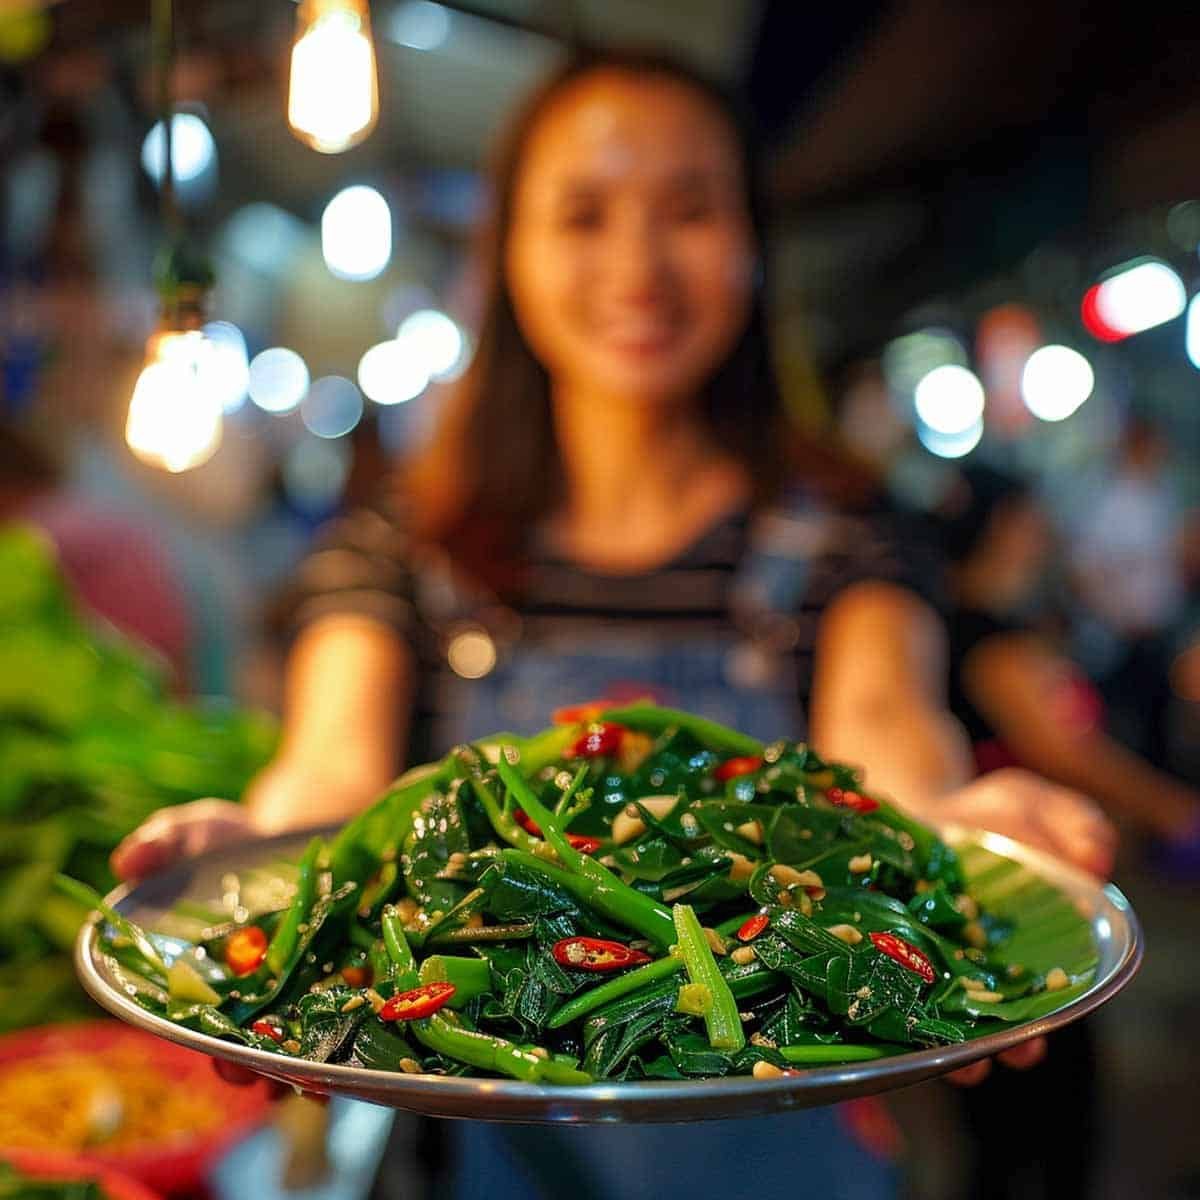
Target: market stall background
987	220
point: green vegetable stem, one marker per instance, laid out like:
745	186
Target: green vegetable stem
722	1021
598	886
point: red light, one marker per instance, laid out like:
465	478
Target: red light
1093	322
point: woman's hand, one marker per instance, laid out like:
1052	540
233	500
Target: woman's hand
1020	1058
285	795
179	832
1029	809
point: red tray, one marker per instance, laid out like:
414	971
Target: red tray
176	1164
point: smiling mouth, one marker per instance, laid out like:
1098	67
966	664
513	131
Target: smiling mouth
641	337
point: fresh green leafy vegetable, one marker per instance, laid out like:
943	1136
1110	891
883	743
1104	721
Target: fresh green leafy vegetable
534	952
91	743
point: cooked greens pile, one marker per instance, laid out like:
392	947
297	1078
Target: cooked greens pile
636	893
90	745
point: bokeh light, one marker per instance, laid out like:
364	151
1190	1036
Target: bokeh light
390	373
356	233
192	148
1055	382
1193	332
332	408
434	340
278	379
949	400
950	445
419	24
229	370
1132	300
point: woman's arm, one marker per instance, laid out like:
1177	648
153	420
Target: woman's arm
347	694
347	691
1018	683
877	701
878	692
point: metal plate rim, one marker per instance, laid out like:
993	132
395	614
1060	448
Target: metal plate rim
649	1100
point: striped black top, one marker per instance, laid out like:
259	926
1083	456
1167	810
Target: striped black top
726	627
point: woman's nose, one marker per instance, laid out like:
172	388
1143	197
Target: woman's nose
637	261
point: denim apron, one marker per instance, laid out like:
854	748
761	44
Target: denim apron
744	675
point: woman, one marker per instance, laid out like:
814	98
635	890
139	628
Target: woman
604	510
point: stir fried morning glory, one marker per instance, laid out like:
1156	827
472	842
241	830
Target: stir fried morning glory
635	893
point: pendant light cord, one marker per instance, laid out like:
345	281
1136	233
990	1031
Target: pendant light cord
163	51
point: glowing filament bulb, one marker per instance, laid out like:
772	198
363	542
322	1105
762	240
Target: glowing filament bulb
175	415
333	92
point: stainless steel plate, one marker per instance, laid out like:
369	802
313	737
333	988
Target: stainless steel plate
1113	923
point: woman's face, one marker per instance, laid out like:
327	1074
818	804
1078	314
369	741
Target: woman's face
630	257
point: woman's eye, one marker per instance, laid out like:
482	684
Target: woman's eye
689	210
582	220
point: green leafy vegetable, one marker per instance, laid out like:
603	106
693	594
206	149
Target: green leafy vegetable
784	924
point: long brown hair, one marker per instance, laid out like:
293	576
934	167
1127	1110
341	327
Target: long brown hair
493	468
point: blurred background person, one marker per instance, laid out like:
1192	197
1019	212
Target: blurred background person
1019	699
1021	702
1124	556
1182	733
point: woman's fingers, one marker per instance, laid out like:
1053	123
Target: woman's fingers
1019	1058
1026	1055
1082	833
971	1076
1029	809
232	1073
242	1077
175	833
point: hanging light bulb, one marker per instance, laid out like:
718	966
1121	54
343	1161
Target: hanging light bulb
175	416
177	408
333	93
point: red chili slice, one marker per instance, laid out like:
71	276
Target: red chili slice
852	800
585	845
907	956
580	714
602	738
357	977
752	927
731	768
416	1003
245	949
527	823
596	954
267	1030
